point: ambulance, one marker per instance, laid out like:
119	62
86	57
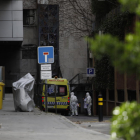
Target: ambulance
60	91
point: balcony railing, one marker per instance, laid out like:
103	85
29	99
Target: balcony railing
80	78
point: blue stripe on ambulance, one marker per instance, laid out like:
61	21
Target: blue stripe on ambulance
58	103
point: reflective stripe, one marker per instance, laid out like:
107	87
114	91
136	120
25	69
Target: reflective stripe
100	99
58	103
100	103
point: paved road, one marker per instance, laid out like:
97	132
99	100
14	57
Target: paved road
92	123
38	125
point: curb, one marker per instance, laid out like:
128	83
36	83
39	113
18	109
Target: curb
84	129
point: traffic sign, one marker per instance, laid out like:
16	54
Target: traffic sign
46	75
46	67
90	72
45	54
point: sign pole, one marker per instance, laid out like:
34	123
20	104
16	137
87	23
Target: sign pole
55	101
46	101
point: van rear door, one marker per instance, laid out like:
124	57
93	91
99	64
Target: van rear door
61	96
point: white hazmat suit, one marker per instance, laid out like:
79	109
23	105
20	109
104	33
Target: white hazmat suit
89	103
73	104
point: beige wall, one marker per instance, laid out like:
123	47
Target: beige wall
11	20
72	45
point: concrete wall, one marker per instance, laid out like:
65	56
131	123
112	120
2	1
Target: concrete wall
29	4
73	56
11	29
11	20
72	45
30	33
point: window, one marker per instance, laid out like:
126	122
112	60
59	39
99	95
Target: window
29	17
131	95
120	95
61	90
111	95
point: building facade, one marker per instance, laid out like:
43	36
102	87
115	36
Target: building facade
23	28
126	87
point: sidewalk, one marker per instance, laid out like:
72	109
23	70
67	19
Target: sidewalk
8	107
39	125
92	123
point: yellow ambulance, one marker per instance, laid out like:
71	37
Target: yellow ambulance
62	95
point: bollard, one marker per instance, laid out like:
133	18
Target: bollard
100	107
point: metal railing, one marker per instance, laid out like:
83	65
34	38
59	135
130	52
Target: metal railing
80	78
40	88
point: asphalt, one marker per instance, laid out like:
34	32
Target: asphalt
39	125
92	123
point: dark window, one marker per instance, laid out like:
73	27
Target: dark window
28	17
111	95
120	95
131	95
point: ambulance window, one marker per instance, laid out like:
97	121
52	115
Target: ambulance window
50	90
61	90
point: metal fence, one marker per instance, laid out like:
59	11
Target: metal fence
79	78
40	88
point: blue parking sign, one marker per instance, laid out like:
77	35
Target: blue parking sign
90	72
45	54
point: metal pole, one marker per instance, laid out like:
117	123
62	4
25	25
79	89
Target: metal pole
40	95
100	107
46	101
55	101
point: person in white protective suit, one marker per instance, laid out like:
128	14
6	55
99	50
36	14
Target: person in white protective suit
89	103
73	104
